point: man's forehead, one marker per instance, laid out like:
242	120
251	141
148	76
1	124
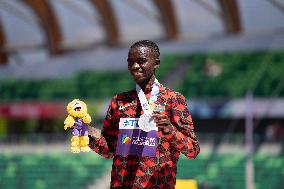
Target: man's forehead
140	52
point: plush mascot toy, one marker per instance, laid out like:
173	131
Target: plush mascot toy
77	120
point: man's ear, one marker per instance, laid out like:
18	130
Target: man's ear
157	61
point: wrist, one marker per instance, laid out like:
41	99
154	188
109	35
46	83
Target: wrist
167	130
95	133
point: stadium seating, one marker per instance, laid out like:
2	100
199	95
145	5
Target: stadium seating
231	74
208	75
39	171
228	171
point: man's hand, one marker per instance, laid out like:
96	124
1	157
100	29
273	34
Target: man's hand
162	121
96	133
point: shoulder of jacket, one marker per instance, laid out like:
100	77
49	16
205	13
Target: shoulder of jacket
124	95
173	94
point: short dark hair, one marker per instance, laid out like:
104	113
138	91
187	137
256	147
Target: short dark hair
147	43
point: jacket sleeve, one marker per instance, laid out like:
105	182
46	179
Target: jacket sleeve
182	135
106	144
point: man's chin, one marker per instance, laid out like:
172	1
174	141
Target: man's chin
139	80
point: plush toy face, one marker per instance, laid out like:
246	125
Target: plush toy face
77	108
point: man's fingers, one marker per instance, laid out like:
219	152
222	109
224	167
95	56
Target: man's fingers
91	130
162	126
164	122
159	117
155	116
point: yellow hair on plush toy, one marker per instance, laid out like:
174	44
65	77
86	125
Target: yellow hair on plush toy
77	120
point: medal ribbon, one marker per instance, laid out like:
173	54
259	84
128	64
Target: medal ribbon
142	97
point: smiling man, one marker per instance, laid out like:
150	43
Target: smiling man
145	129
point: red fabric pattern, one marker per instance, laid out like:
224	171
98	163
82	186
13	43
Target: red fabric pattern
148	172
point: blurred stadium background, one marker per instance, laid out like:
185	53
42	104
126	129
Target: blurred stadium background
225	56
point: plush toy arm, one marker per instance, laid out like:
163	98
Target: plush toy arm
69	122
87	119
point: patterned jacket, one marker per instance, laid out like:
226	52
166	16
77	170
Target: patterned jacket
148	172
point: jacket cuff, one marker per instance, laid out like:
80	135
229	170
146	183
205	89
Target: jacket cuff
92	141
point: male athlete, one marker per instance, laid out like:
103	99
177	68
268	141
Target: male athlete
145	129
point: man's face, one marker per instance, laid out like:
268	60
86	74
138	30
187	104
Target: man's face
142	63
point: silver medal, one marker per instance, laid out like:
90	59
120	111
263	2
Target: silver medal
146	122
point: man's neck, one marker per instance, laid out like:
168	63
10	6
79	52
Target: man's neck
147	85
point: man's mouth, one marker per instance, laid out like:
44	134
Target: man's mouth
137	73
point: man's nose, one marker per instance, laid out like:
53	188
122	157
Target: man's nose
135	65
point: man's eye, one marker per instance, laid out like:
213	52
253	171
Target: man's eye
138	61
141	61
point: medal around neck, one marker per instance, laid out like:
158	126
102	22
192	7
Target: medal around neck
146	123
